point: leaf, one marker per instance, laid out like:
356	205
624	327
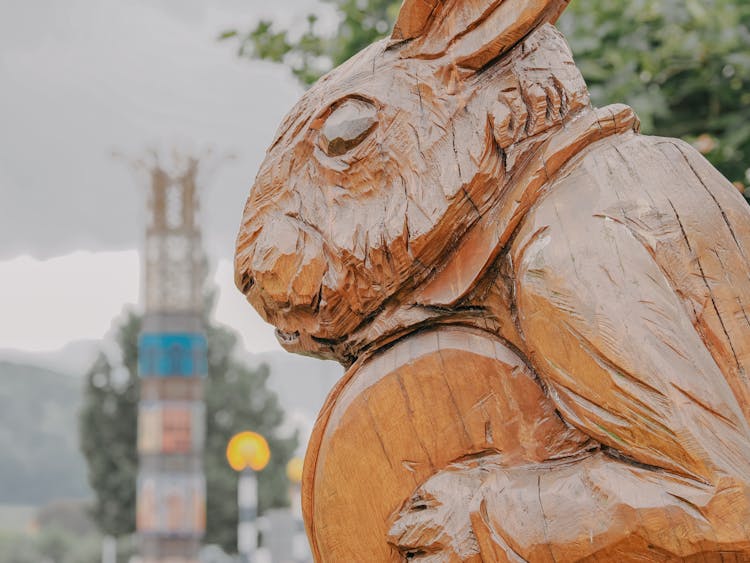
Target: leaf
228	34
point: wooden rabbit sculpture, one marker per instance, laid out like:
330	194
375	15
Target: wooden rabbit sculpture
545	314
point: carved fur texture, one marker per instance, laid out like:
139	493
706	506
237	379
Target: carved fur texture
546	315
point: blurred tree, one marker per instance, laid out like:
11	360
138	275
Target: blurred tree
108	427
49	545
310	55
236	399
684	65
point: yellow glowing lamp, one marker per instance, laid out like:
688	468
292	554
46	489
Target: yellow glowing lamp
248	450
294	470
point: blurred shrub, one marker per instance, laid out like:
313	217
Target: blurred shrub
71	516
51	545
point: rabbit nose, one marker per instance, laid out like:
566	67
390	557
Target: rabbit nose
285	263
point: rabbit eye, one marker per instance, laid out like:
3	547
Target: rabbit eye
347	126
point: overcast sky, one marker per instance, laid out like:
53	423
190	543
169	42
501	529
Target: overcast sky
81	79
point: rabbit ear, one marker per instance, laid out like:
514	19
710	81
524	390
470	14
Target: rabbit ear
474	32
413	18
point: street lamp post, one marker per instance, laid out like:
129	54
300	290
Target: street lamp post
247	501
300	547
248	453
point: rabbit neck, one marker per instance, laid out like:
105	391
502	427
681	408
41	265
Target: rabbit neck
526	186
457	293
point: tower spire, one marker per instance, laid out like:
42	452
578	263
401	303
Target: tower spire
172	364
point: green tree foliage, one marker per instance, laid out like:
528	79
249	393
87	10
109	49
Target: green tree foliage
49	545
361	22
236	399
63	533
108	428
684	65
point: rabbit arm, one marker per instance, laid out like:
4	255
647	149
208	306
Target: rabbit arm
614	343
599	509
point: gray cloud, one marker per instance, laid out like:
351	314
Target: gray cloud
81	78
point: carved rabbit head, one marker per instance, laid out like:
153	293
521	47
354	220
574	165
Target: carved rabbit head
391	157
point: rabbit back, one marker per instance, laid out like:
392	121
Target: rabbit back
632	285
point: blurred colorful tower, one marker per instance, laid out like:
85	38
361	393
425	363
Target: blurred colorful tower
172	356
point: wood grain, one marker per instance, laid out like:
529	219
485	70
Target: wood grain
493	405
545	314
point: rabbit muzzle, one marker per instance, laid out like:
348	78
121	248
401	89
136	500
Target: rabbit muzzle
280	266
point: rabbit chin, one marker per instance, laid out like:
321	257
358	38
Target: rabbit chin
313	299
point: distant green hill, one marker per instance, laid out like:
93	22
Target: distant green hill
39	456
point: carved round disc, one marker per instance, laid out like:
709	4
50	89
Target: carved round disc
404	414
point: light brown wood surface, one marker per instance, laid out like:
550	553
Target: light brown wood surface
545	314
493	405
